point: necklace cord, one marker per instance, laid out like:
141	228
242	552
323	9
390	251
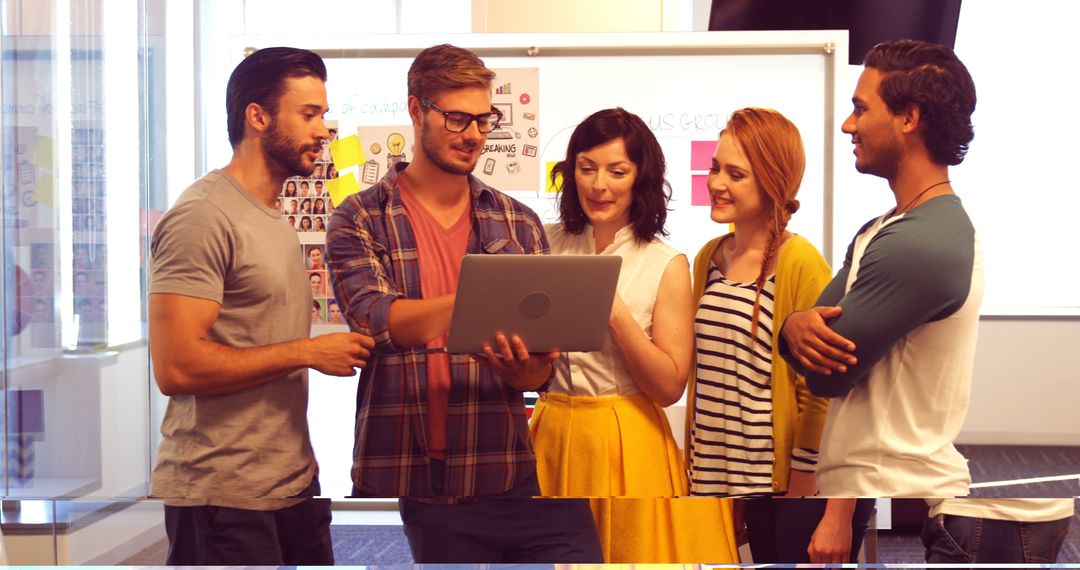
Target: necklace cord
920	195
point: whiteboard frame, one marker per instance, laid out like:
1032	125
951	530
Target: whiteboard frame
832	45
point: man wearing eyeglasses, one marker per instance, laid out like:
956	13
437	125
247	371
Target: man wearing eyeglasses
446	433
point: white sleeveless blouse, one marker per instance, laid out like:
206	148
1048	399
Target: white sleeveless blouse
603	372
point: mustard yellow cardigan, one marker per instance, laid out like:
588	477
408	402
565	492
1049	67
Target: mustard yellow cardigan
798	415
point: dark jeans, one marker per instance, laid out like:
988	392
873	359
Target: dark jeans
956	539
780	529
221	536
512	528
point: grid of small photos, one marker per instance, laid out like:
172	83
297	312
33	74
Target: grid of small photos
88	221
304	201
88	179
41	275
88	286
324	308
89	290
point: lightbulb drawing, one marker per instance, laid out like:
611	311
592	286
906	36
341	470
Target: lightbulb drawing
395	143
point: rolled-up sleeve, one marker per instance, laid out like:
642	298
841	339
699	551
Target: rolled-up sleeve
359	273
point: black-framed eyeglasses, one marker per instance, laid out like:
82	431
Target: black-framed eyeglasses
457	121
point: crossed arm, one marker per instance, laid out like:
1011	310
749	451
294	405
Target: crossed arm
901	284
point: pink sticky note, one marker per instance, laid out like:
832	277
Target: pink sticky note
699	191
701	153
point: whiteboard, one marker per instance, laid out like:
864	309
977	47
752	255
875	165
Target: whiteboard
684	85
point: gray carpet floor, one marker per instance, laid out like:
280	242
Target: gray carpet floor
387	546
1005	462
370	545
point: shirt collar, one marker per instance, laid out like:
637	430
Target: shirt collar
481	192
624	235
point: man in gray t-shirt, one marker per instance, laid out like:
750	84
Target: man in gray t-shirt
230	314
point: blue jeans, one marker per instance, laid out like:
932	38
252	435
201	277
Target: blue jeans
956	539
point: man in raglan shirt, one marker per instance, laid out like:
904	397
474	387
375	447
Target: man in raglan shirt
892	339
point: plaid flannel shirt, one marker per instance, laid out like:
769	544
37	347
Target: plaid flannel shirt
372	255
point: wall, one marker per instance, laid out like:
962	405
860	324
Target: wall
568	15
1025	389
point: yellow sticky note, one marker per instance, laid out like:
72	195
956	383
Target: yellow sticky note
43	153
347	152
342	187
43	190
557	186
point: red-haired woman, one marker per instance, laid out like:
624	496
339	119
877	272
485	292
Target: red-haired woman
753	428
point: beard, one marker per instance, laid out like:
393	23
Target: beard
429	144
284	155
882	159
885	165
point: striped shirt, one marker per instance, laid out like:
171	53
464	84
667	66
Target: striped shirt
372	254
732	435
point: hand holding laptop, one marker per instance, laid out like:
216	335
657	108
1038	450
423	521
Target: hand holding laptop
511	361
550	302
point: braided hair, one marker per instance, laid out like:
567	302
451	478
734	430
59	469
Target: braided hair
774	149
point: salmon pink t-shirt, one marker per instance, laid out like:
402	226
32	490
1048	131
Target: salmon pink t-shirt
440	251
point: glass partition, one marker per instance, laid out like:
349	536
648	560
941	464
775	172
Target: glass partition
82	165
94	153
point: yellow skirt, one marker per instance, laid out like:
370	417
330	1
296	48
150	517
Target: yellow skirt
620	452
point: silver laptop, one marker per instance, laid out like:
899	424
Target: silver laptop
553	302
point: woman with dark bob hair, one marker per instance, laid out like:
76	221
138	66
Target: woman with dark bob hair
600	429
650	194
